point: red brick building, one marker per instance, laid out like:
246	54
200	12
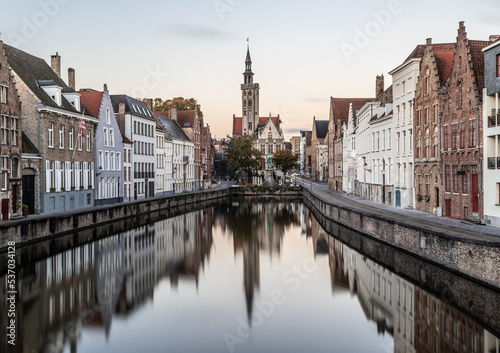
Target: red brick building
435	69
461	148
10	142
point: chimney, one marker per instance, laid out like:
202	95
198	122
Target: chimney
71	78
379	86
121	109
120	117
149	103
494	37
428	41
173	113
55	64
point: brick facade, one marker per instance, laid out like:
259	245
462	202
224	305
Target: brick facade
435	68
10	143
461	149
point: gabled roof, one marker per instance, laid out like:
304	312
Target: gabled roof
275	120
27	146
36	73
340	107
321	128
186	118
132	106
172	127
477	56
92	101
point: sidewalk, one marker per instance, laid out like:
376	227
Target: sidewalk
424	220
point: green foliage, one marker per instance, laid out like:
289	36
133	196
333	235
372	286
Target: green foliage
242	155
179	102
285	160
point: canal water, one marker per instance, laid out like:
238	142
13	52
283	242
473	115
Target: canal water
257	275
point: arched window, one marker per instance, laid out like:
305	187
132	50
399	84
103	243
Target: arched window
459	94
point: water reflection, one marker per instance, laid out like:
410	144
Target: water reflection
71	297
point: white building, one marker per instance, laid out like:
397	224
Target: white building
160	160
182	160
404	78
139	125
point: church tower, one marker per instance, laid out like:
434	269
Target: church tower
249	98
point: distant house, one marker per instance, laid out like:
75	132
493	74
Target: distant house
319	150
138	125
108	153
61	129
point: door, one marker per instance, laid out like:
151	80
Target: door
383	188
5	209
448	208
135	191
29	192
15	189
398	198
475	193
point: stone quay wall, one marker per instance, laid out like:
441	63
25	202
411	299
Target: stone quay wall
36	228
477	259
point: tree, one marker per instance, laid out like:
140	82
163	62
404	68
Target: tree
179	102
285	160
242	155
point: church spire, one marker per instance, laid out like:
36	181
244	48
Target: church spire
248	74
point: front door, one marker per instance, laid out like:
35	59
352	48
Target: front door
448	207
475	193
398	198
29	192
151	189
5	209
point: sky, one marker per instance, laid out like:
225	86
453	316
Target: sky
303	52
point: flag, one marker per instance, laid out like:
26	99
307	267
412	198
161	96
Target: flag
83	128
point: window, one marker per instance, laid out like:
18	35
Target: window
71	138
418	118
89	140
105	136
15	168
112	160
4	94
61	137
108	116
378	141
373	142
101	160
465	184
410	140
389	139
435	113
13	130
79	140
403	113
428	184
111	138
4	171
427	143
107	161
403	142
454	136
445	137
5	131
459	94
383	139
417	151
398	114
436	144
403	88
118	161
447	178
426	115
472	133
455	179
50	138
398	142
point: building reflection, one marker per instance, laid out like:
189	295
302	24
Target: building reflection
417	320
84	287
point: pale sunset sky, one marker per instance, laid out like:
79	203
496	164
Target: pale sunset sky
303	52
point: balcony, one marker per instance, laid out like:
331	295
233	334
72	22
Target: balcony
494	120
492	164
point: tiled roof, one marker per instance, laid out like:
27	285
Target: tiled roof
444	63
186	118
132	106
321	128
166	114
92	101
35	73
340	107
27	146
477	56
173	128
275	120
418	52
237	126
